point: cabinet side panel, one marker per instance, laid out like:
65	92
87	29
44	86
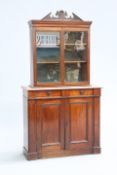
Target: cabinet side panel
96	124
32	126
25	122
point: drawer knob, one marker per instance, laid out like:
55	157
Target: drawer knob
81	92
48	93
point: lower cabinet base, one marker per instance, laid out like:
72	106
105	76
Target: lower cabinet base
35	155
61	122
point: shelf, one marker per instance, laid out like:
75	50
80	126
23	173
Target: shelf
48	62
57	62
48	46
72	44
74	61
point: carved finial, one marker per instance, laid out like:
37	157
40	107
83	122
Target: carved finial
61	14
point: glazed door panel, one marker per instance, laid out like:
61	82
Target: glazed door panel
48	57
50	126
79	123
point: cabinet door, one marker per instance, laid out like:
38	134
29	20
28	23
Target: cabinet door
75	56
48	57
50	127
79	129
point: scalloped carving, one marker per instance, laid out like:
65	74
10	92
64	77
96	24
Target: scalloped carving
61	15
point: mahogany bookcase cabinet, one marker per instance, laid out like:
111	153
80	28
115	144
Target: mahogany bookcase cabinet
61	108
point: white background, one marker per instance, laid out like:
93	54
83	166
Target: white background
15	72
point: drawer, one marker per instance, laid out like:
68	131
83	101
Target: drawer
45	93
79	92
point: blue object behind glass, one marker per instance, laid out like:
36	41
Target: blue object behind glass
48	53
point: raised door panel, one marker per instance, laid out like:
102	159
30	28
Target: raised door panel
79	124
50	126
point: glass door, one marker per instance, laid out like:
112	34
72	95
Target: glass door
48	57
75	56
